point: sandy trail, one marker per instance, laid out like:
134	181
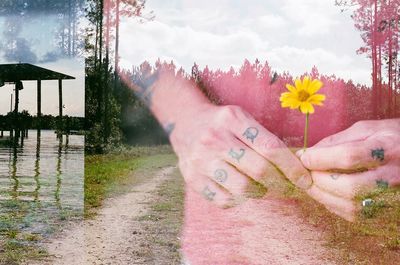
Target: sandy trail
113	236
258	232
269	231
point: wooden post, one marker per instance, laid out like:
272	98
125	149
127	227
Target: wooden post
16	98
60	100
18	86
39	102
60	107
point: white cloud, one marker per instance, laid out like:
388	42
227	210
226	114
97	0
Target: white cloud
312	17
186	45
271	21
292	35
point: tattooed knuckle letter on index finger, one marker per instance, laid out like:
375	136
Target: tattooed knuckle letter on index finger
251	134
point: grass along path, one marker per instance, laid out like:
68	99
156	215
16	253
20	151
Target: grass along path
140	226
115	173
373	239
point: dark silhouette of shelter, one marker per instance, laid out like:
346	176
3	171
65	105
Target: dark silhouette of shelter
16	73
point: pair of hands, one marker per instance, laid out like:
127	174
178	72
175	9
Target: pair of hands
224	149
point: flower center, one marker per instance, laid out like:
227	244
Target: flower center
303	95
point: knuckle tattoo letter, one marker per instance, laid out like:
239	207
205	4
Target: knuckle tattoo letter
237	155
335	177
251	133
378	154
382	184
208	194
220	175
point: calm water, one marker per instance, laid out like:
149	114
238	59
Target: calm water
41	183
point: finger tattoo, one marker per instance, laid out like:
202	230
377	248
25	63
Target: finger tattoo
145	84
208	194
378	154
251	133
168	128
237	155
383	184
335	177
220	175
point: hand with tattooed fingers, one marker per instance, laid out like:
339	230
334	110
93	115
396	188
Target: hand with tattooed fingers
360	158
221	149
226	149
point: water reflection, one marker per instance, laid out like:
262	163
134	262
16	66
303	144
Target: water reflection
37	167
59	172
41	183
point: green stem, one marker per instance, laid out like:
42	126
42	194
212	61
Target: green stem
306	132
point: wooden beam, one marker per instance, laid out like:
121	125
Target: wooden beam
39	100
60	108
60	99
15	120
16	98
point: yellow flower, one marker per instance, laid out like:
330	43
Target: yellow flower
303	95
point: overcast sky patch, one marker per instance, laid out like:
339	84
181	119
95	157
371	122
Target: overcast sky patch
292	35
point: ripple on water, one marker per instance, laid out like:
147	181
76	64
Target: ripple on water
41	183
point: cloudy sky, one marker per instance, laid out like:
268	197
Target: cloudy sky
36	44
293	35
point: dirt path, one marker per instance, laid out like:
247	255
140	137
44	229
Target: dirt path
114	236
134	229
269	231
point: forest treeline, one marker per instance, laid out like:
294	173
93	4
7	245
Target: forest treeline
114	116
46	122
66	15
378	22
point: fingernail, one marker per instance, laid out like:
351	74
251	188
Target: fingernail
304	182
300	152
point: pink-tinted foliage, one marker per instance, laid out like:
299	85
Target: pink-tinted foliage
251	88
257	89
379	24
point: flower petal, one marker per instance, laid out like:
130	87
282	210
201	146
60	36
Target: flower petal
298	84
315	86
286	95
286	104
306	83
316	99
291	102
306	107
296	105
291	88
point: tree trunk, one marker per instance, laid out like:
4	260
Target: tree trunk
116	56
96	45
106	67
374	61
390	74
100	67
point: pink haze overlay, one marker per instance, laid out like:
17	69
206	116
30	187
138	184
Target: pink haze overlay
257	89
267	231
